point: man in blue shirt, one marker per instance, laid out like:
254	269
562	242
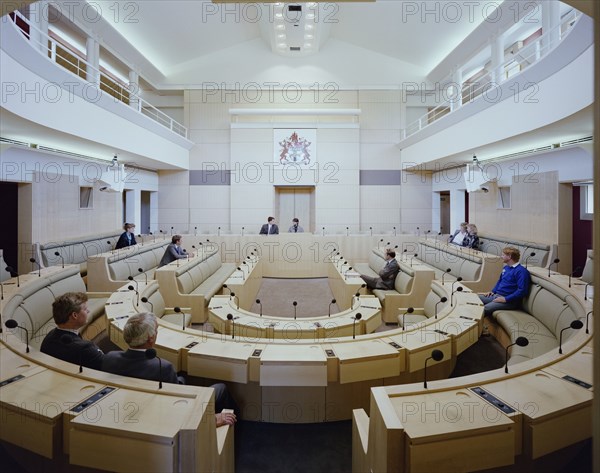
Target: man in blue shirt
512	286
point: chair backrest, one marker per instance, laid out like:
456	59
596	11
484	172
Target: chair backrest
404	279
588	270
432	299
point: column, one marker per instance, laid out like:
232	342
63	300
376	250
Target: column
456	93
92	51
37	13
497	59
134	91
550	25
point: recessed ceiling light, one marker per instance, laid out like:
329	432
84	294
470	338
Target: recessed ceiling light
280	36
309	36
310	16
308	27
278	16
307	45
280	27
281	45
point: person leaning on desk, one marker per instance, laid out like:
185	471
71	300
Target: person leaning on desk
174	251
296	228
140	333
269	228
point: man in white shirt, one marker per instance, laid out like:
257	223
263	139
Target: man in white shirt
459	235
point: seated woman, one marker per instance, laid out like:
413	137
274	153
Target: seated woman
458	236
471	240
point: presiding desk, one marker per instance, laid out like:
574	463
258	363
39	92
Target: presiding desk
487	419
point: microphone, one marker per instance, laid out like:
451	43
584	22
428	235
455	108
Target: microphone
242	231
151	354
146	301
171	231
458	289
575	325
458	279
357	295
67	341
12	323
56	253
11	270
358	316
418	232
179	311
295	304
447	271
403	253
250	261
260	304
371	230
142	241
587	321
33	260
585	292
378	243
225	287
131	288
413	257
112	251
346	272
323	231
141	271
137	287
234	297
437	355
395	231
347	231
243	273
218	231
441	301
522	342
556	261
427	234
153	237
161	232
571	275
530	255
410	310
195	231
333	301
230	317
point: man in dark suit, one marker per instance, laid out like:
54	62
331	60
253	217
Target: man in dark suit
387	275
140	333
269	228
127	238
174	251
70	313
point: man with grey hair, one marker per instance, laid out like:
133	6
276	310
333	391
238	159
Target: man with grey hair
140	333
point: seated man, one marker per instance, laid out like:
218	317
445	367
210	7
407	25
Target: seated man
457	237
140	333
70	313
173	251
269	228
296	228
512	286
387	275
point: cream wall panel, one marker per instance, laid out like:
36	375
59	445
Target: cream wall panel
173	178
338	135
380	96
379	156
382	116
252	135
342	197
385	197
209	116
209	197
210	218
380	136
207	155
210	136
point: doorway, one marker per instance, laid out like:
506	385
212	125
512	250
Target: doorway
295	202
445	212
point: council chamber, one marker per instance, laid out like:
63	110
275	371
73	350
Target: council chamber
366	225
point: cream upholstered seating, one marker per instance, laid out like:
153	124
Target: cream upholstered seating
546	311
427	311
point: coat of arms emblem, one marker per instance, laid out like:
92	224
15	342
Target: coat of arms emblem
294	150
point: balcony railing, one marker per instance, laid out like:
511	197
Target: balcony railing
71	60
486	83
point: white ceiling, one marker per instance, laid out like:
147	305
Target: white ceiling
178	37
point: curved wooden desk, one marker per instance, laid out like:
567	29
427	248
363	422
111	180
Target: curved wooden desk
484	420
